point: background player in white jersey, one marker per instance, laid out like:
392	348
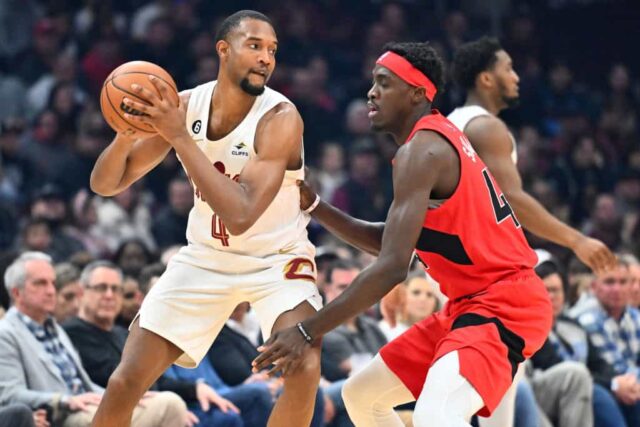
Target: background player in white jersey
485	70
241	144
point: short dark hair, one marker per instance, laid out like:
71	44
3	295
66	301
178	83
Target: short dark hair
232	21
149	272
422	56
341	264
473	58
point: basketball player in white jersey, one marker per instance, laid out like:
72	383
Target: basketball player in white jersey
485	70
241	145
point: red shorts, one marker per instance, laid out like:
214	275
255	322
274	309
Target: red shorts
493	331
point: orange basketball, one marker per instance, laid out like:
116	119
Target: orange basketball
118	85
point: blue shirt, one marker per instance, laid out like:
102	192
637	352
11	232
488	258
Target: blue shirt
617	340
47	335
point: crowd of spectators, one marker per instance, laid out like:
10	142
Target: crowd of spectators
577	129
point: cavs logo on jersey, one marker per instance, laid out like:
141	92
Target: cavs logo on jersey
240	150
300	269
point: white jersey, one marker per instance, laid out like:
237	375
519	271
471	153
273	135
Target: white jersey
280	229
461	116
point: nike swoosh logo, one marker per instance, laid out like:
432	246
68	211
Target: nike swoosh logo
286	250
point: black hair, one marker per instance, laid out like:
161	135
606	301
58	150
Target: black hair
233	21
473	58
340	264
422	56
547	268
149	255
149	272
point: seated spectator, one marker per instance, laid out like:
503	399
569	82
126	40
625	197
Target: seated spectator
21	416
351	345
35	236
251	401
235	347
49	204
614	329
364	195
132	255
68	291
125	216
416	301
169	224
100	341
569	342
149	275
38	364
131	301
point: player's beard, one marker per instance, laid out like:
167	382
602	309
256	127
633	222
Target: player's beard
511	101
251	89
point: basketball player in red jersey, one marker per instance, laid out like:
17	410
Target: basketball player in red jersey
449	210
241	144
485	70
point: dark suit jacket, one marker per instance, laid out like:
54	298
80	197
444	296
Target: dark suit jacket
231	355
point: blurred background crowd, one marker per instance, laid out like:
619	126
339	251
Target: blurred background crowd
576	127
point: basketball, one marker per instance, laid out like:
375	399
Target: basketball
118	86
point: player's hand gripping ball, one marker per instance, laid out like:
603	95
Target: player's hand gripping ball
118	86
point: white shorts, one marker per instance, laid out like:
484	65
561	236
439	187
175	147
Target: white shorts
189	304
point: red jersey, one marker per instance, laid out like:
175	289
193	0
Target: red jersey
474	238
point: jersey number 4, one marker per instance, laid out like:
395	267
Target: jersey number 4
218	230
501	208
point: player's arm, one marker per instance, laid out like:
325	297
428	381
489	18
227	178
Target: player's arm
418	165
490	138
239	204
128	159
364	235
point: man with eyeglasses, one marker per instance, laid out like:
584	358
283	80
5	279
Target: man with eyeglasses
100	342
614	328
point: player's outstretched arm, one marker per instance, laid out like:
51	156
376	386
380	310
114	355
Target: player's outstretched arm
364	235
127	159
490	138
239	202
417	169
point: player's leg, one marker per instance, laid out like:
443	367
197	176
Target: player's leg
372	393
146	356
447	399
298	396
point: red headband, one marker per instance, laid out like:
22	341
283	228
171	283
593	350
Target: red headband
407	72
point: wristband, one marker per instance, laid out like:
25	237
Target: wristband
314	205
304	333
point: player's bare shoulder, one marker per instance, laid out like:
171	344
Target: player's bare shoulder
282	111
283	124
488	133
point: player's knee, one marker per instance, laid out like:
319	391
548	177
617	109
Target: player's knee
123	380
308	371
